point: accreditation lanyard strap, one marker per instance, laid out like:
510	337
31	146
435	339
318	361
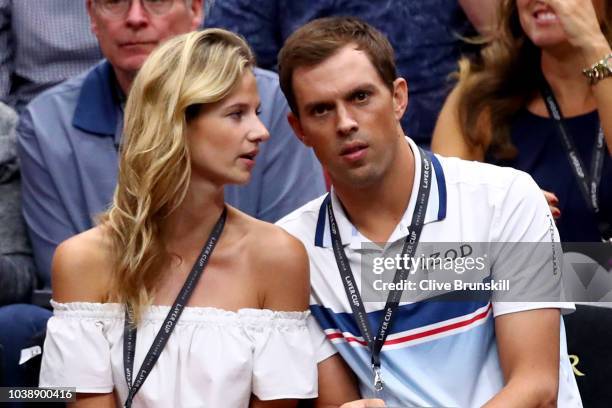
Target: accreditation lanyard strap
588	183
411	242
129	331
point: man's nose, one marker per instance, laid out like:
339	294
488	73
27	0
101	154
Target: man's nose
346	124
137	16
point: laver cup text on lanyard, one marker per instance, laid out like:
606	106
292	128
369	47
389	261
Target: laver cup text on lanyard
129	332
588	183
375	344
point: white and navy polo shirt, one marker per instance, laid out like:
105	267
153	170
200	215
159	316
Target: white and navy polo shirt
437	353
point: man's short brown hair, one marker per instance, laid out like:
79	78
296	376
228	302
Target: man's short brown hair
318	40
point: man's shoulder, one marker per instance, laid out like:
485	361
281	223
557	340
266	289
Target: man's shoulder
459	173
302	222
63	94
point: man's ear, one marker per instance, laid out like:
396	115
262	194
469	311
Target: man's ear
92	21
294	121
400	97
197	8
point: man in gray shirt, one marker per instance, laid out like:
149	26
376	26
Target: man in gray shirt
42	43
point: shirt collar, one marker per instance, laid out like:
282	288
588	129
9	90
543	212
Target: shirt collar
97	107
436	208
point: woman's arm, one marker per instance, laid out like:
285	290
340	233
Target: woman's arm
79	274
284	281
448	139
579	21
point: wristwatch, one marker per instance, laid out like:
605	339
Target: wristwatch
600	70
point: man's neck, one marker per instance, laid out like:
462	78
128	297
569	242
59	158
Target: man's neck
376	209
124	79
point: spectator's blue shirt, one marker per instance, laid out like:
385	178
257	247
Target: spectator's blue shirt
541	154
423	33
68	138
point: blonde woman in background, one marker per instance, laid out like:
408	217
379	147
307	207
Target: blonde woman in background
232	331
500	110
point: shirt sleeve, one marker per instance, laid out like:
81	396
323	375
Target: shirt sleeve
6	50
284	364
46	217
527	251
292	175
322	346
76	352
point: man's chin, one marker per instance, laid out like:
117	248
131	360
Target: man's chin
132	63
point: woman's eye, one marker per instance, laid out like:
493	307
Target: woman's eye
236	115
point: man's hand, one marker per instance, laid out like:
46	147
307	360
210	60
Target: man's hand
364	403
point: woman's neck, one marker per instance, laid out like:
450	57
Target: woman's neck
193	220
562	68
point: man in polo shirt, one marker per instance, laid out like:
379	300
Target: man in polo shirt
339	78
68	137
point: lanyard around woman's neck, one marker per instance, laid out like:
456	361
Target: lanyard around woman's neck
129	331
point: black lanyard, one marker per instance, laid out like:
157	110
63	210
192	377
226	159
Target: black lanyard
588	183
129	331
411	242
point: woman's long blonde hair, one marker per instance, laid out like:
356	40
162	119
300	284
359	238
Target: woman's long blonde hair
154	168
505	77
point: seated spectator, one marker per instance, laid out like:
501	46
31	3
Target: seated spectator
191	126
17	273
426	35
69	136
418	348
18	322
42	43
538	100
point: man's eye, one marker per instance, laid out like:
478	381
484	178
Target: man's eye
361	96
320	110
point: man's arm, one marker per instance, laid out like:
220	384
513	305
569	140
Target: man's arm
481	13
45	215
530	362
338	386
527	315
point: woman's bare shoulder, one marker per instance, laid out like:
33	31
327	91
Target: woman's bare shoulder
271	243
82	266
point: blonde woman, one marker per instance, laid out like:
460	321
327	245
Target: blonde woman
545	56
177	299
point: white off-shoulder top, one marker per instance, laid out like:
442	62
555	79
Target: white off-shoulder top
214	358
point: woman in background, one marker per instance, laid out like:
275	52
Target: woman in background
546	56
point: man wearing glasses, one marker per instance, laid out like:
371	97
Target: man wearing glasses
68	137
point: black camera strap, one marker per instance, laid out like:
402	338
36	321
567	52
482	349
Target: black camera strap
587	182
129	331
411	242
